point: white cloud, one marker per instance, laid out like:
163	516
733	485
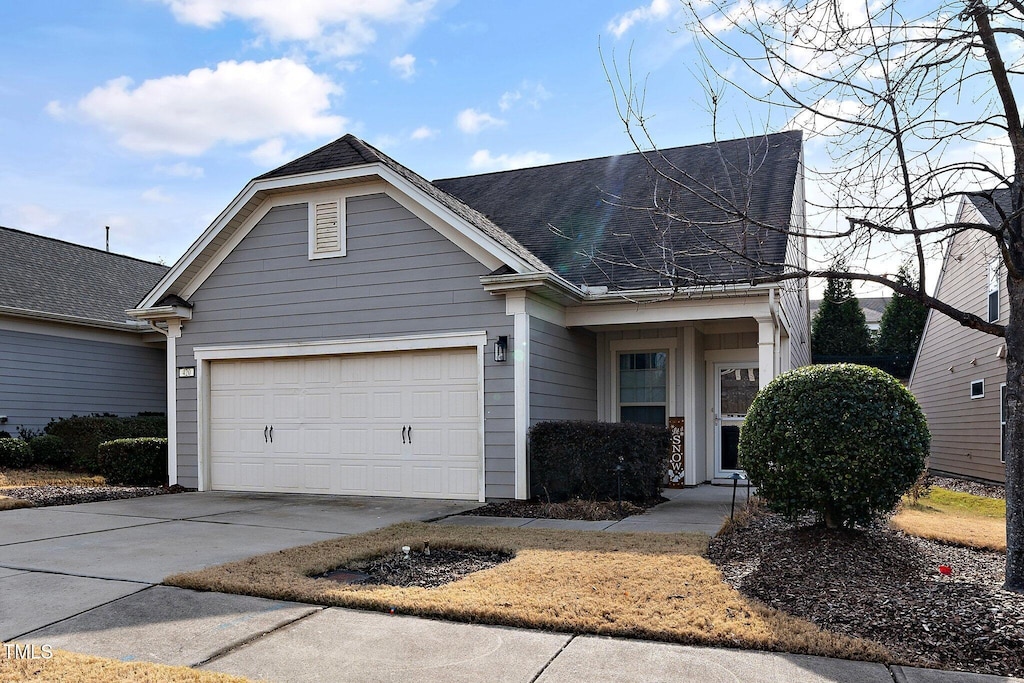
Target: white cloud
181	169
157	195
234	103
34	218
473	121
386	141
530	93
55	109
423	133
658	9
404	66
335	27
482	160
272	153
508	99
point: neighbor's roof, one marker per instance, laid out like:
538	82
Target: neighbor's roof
48	276
349	151
987	206
873	307
599	221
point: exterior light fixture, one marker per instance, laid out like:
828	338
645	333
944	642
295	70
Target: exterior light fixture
501	349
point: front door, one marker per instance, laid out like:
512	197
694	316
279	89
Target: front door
736	385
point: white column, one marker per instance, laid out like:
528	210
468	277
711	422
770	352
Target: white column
515	305
689	358
173	332
765	350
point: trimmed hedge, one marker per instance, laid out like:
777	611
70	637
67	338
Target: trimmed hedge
577	459
15	453
842	441
84	433
134	462
51	451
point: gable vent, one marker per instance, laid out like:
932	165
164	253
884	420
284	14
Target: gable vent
326	224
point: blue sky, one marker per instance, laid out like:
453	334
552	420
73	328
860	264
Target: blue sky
150	115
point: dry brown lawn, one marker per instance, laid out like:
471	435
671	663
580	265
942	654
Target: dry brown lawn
13	503
17	478
956	518
654	586
71	667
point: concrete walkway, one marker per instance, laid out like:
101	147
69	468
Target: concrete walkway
83	578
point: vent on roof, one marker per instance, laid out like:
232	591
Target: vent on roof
327	229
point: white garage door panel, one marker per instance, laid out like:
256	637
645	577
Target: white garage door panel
338	424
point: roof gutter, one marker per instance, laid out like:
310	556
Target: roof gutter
126	326
597	295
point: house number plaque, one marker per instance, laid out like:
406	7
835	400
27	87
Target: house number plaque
675	462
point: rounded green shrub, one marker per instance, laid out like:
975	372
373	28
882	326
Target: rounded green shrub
134	462
51	451
842	441
15	453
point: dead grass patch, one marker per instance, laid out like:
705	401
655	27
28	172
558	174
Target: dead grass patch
71	667
642	585
14	503
956	518
17	478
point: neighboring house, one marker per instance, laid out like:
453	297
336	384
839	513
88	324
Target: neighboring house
959	374
347	327
66	345
873	308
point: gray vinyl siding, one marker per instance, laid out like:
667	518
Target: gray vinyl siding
965	431
400	277
47	376
563	373
794	296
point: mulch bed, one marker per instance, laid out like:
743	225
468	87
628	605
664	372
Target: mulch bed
44	496
882	585
587	510
441	566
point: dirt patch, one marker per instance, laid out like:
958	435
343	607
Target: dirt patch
44	496
587	510
882	585
426	568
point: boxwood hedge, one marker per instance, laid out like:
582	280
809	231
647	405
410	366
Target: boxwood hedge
84	433
15	453
577	459
134	462
842	441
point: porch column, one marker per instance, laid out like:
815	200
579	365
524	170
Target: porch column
690	414
173	332
515	305
765	350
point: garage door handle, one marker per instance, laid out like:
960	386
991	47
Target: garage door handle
271	433
265	433
403	433
410	433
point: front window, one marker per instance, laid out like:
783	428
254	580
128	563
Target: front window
643	387
993	291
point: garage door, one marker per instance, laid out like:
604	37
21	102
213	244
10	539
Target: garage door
388	424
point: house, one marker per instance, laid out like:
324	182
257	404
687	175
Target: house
345	326
873	307
959	374
66	345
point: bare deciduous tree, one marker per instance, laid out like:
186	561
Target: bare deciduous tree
912	108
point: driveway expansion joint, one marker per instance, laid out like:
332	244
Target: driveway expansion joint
572	637
85	611
87	533
231	647
37	570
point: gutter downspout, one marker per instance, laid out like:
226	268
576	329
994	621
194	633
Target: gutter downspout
172	332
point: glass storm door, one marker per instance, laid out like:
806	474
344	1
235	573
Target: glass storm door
643	387
735	387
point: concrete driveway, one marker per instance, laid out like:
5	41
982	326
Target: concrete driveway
59	562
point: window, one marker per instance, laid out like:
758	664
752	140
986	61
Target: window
327	229
1002	423
978	388
643	387
993	291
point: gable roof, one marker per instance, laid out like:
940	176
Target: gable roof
600	221
349	151
53	278
986	205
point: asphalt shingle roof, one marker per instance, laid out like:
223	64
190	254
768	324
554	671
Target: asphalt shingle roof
987	207
601	222
46	275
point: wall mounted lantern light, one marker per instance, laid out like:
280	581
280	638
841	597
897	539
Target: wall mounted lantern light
501	349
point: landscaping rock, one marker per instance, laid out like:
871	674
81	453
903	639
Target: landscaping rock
43	496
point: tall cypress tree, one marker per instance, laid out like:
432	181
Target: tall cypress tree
902	326
839	327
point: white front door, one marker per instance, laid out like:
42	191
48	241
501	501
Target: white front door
384	424
736	384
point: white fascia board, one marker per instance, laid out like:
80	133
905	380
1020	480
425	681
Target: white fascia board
335	347
126	326
160	313
675	310
401	190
